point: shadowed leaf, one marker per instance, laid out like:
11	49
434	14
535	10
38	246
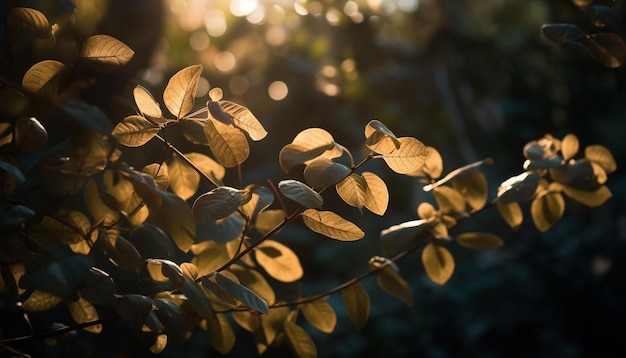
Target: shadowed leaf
217	204
105	53
379	138
300	193
40	301
300	341
82	311
391	282
562	33
518	188
242	293
607	48
220	332
323	172
357	303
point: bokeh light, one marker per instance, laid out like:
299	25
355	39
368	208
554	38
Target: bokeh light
278	90
225	61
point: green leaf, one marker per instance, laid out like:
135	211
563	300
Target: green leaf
228	144
357	303
278	261
391	282
546	210
438	262
323	172
135	131
353	190
511	213
244	120
478	240
242	293
105	53
331	225
181	89
300	193
377	197
217	204
320	314
300	341
408	158
44	78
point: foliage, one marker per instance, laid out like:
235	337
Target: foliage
83	228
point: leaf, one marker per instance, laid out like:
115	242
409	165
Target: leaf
379	138
300	341
353	190
438	263
64	227
198	301
181	89
40	301
377	197
193	130
300	193
278	261
511	213
357	303
242	293
208	166
210	255
433	165
478	240
562	33
307	145
323	172
591	198
408	158
320	314
44	78
602	156
147	104
222	230
173	318
135	131
401	236
248	320
217	204
331	225
121	252
30	135
569	147
23	21
160	173
221	335
391	282
268	220
546	210
244	119
82	311
165	270
184	180
133	307
607	48
518	188
255	281
262	197
272	325
449	199
159	344
472	185
228	144
13	171
105	53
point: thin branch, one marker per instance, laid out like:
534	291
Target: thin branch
184	157
58	332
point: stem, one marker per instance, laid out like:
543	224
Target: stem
169	145
58	332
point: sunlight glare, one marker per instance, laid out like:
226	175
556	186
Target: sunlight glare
243	7
333	16
300	8
257	16
275	35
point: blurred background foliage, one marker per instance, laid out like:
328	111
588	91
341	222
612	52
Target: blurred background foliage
473	79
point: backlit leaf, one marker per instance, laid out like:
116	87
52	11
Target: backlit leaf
244	119
323	172
438	263
278	261
82	311
160	174
248	320
184	180
135	131
591	198
300	341
29	22
379	138
272	325
220	332
391	282
300	193
105	53
210	255
147	104
331	225
268	220
43	77
242	293
217	204
208	166
569	147
511	213
449	199
602	156
228	144
377	198
357	303
353	190
472	185
478	240
546	210
159	344
181	89
40	301
296	153
433	165
408	158
320	314
167	269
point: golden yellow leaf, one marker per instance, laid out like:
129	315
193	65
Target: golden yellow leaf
135	131
479	240
426	210
278	261
159	344
160	173
254	280
228	144
300	341
244	119
309	144
40	301
320	314
147	105
248	320
449	199
267	220
569	147
587	197
181	89
353	190
220	332
23	21
408	158
433	165
96	201
357	303
391	282
207	165
184	180
438	263
511	213
65	227
331	225
472	185
272	324
323	172
546	210
210	255
377	198
261	198
105	53
43	78
379	138
601	155
83	311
